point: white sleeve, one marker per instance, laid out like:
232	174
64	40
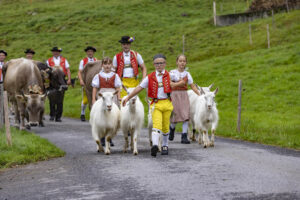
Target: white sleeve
115	64
96	82
174	76
145	82
81	65
48	63
139	59
118	82
67	64
190	79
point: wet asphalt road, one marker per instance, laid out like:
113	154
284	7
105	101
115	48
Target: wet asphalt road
230	170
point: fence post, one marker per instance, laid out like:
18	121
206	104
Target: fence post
7	124
287	6
103	54
268	36
238	127
215	13
183	44
250	35
1	106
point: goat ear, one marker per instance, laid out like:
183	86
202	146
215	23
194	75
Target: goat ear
100	94
201	91
216	91
43	97
211	85
20	97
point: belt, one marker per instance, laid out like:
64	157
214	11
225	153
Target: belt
156	100
127	66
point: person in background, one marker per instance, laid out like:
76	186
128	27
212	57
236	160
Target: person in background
159	90
90	51
127	63
29	53
3	55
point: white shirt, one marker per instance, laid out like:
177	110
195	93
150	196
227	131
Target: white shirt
81	63
160	93
176	75
57	62
96	82
127	72
1	65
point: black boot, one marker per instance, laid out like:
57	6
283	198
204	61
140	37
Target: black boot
82	117
184	139
154	150
171	134
103	141
164	150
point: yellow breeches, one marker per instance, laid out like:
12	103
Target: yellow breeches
129	83
84	97
161	115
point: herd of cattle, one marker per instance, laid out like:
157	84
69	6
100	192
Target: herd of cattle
29	82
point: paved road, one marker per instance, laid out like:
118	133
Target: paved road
230	170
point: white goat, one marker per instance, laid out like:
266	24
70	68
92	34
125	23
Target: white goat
206	116
192	98
132	120
150	126
105	120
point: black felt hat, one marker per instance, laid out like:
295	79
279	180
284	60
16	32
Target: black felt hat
90	48
56	49
2	51
29	51
126	40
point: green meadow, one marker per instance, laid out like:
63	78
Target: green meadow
26	148
219	55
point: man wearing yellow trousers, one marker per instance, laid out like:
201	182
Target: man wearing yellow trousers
159	90
127	63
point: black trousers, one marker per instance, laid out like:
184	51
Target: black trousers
56	101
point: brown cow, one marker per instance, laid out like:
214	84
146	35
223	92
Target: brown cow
88	73
23	83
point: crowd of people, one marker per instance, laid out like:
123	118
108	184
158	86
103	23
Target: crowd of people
167	90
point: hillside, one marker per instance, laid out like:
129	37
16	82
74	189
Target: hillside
222	55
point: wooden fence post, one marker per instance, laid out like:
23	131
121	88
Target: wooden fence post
238	127
183	44
287	6
215	13
1	106
250	35
7	124
268	36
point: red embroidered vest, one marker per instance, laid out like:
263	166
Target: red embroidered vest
86	60
1	74
109	83
185	87
62	64
153	84
133	61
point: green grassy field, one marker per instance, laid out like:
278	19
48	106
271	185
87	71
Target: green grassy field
26	148
219	55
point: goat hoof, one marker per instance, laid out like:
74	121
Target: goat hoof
205	146
124	151
107	153
135	153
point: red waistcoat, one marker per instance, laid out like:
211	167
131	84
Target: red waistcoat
133	61
62	64
185	87
109	83
86	60
153	84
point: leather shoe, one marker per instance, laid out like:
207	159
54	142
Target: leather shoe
184	139
58	120
82	118
154	150
51	118
171	134
164	150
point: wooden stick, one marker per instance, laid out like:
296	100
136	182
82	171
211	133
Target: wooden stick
250	35
238	127
268	36
1	106
182	44
215	13
7	124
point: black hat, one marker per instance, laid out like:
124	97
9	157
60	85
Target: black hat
159	56
56	49
29	51
2	51
90	48
126	40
